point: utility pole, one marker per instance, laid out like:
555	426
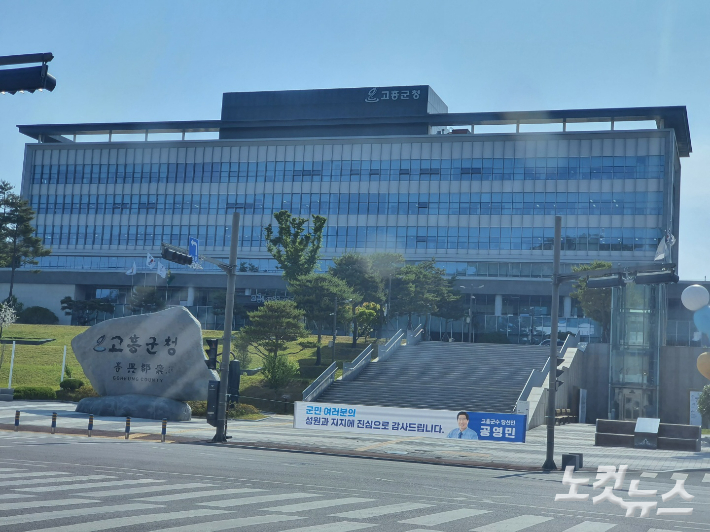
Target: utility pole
552	392
221	434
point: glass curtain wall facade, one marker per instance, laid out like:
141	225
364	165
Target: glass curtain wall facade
483	206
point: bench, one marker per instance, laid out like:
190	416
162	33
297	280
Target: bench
561	417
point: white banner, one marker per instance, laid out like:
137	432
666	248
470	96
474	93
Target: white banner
410	422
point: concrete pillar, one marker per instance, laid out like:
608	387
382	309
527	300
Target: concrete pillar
567	307
498	309
190	296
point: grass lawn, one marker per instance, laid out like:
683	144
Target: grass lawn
40	365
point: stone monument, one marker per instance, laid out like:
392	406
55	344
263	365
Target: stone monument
144	366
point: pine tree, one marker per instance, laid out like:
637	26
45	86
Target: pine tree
18	245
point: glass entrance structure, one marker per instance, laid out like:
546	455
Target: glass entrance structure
637	333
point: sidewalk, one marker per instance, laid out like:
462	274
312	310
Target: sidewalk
277	432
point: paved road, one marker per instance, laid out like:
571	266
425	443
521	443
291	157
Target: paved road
73	484
278	432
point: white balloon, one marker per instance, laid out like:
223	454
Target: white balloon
695	297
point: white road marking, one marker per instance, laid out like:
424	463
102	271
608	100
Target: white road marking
343	526
649	475
39	474
443	517
146	489
57	480
120	522
590	526
514	524
215	526
314	505
33	504
679	476
377	511
197	494
706	478
82	485
77	512
258	499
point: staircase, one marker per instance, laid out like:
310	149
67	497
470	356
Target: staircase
444	376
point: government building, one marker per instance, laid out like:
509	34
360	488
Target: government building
390	168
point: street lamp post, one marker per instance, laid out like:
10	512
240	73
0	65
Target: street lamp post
470	319
335	325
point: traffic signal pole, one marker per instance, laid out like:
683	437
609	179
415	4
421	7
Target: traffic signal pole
554	311
221	434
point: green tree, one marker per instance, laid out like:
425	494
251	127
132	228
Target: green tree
272	327
453	306
385	265
296	250
84	312
419	289
595	302
356	270
18	245
219	305
704	403
145	299
315	294
367	316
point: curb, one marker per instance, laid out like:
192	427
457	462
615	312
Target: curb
276	447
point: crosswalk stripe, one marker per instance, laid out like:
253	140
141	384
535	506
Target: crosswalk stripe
82	485
32	504
76	512
6	496
215	526
314	505
258	499
679	476
146	489
513	524
706	477
3	469
649	475
197	494
343	526
59	480
377	511
591	526
37	474
120	522
444	517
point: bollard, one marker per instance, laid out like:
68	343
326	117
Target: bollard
128	426
54	422
164	430
91	424
17	420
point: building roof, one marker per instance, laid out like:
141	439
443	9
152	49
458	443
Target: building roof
673	117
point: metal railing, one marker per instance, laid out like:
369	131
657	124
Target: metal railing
391	346
319	385
416	335
353	369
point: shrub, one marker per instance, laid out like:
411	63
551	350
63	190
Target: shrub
77	395
34	392
38	316
71	384
199	409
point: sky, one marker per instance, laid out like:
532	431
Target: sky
172	60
